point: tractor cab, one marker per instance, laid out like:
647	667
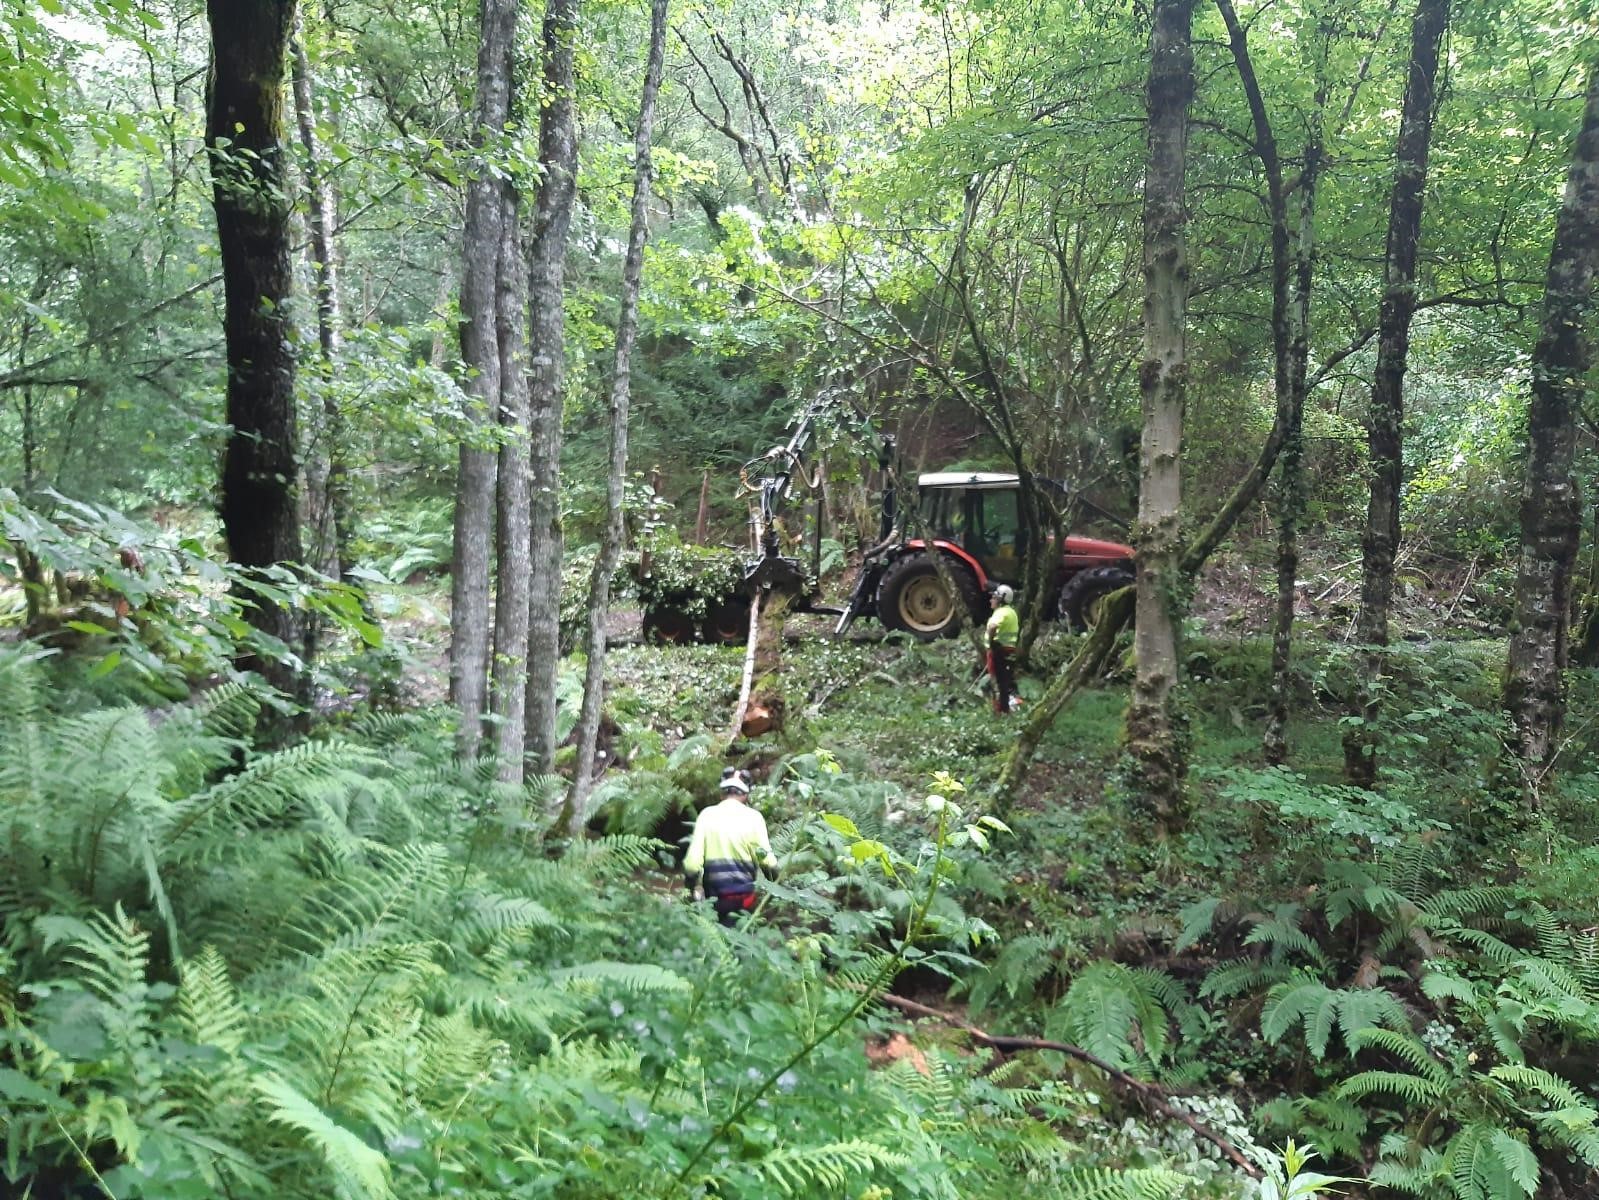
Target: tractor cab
980	512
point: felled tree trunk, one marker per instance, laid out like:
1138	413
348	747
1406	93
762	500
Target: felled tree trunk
768	704
1154	739
244	141
1380	542
1550	509
547	374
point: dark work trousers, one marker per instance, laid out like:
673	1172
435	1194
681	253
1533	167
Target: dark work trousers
1002	668
730	908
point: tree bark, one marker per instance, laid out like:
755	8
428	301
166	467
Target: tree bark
1291	496
1154	738
244	141
1551	512
1291	492
547	372
1380	542
333	512
1254	480
508	694
621	392
475	477
508	670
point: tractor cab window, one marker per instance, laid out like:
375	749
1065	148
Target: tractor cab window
996	532
941	510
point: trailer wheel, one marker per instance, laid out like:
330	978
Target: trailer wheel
667	625
1082	598
728	622
914	598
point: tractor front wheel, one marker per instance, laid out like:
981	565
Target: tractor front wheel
913	597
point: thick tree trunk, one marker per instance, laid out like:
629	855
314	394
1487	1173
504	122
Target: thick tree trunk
547	373
244	138
621	391
1551	512
1380	543
1154	739
480	350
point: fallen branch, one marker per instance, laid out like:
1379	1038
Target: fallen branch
1148	1093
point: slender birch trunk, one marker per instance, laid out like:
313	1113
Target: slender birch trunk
1291	489
1380	543
1551	512
547	373
475	478
621	392
1154	739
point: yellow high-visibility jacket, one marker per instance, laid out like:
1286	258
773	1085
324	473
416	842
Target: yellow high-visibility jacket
728	846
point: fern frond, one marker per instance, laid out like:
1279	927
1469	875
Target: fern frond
208	1003
1237	978
1281	934
1102	1184
1406	1047
113	954
1412	1089
359	1172
633	977
1540	1082
1108	1005
830	1168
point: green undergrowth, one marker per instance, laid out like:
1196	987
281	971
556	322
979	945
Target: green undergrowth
1405	976
350	967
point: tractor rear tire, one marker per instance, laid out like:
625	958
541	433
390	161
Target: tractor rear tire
913	598
1080	599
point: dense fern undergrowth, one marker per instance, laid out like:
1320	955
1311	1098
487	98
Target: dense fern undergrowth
349	966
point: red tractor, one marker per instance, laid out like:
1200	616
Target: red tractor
928	588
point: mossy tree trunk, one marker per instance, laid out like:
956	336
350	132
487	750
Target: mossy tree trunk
1380	542
1154	741
244	141
1551	511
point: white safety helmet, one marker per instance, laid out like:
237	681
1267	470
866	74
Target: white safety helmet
734	780
1003	593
